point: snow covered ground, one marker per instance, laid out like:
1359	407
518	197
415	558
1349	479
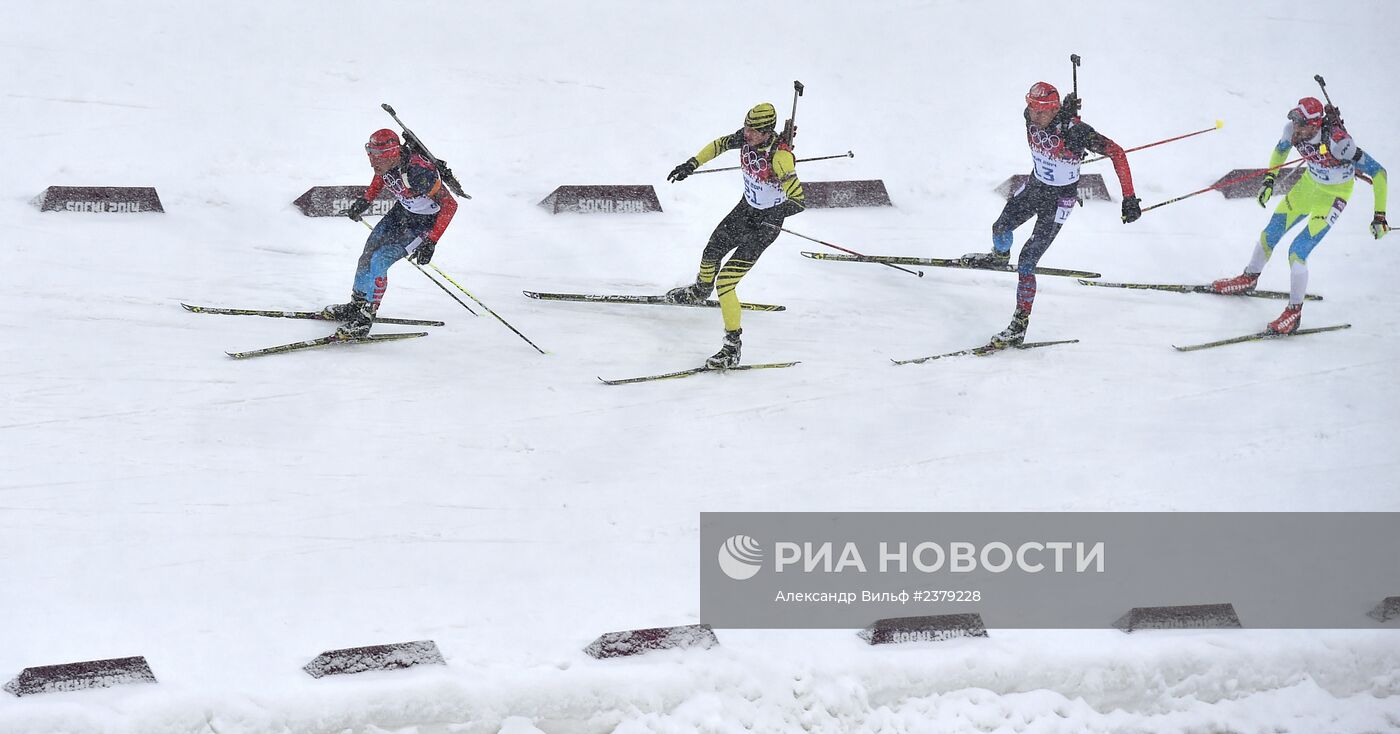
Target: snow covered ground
230	520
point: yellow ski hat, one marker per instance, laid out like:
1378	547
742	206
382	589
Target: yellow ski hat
762	117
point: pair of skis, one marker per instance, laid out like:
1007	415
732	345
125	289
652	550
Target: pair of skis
324	341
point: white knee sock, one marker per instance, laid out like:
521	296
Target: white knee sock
1298	284
1257	260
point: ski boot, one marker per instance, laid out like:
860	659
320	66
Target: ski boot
359	322
343	311
991	259
1014	334
1288	321
728	355
696	292
1242	283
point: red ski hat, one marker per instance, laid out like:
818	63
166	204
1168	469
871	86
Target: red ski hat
1043	96
383	144
1308	112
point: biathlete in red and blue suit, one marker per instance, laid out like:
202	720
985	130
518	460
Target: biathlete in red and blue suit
1057	140
412	228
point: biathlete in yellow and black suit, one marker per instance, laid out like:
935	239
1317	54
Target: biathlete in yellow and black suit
772	193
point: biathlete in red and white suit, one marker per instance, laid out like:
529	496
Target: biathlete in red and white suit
1057	140
412	228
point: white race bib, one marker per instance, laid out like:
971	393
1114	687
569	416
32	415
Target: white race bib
1329	166
416	203
762	194
1054	171
1335	175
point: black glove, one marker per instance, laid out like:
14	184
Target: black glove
1071	104
1266	189
357	208
685	169
1132	209
1379	226
423	253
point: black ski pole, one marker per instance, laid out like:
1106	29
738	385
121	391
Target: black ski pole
447	175
867	258
847	154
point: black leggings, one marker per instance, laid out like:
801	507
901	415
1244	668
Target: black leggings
1051	206
743	232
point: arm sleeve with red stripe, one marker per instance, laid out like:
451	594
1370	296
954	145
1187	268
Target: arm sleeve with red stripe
375	186
444	217
1103	146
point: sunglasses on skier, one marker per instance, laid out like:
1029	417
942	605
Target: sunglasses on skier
383	150
1296	116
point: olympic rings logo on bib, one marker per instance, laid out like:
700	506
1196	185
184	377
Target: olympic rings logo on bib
754	163
1045	139
1049	145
